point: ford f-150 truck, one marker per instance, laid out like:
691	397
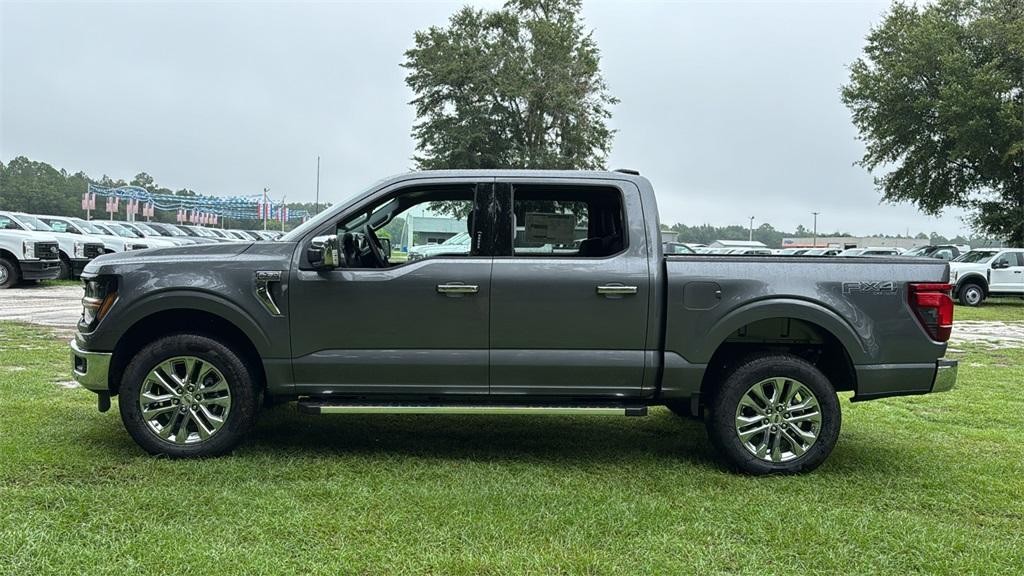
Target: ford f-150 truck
194	339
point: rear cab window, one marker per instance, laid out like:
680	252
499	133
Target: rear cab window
567	221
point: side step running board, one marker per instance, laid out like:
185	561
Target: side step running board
317	407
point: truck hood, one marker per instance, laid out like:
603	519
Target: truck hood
193	256
29	235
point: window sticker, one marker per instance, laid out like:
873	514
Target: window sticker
543	228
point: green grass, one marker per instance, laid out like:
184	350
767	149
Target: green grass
997	309
930	484
60	283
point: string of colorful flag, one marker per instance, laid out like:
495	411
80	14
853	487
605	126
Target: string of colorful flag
191	209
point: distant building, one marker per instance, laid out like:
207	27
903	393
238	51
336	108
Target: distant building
845	242
421	230
669	236
736	244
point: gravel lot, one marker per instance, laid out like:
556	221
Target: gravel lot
60	306
54	306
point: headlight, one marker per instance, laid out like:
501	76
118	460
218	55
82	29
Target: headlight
79	250
28	249
100	295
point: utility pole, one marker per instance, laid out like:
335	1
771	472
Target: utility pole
317	210
815	228
281	211
266	208
751	228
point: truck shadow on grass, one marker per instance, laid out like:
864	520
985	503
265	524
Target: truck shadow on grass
568	440
481	437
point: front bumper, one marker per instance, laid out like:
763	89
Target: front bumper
945	375
40	269
78	264
90	369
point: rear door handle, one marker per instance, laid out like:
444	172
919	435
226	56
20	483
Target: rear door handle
616	290
457	288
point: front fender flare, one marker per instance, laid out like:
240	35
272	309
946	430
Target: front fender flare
194	300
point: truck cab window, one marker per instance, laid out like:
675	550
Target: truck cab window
413	225
567	221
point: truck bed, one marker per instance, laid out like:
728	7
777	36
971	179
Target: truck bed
858	306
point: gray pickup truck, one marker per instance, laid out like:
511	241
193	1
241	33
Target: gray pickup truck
563	304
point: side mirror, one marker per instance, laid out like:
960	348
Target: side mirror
323	253
385	244
999	265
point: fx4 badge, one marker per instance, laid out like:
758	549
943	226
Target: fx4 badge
869	287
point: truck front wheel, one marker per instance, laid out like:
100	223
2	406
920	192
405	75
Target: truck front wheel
187	395
9	274
774	414
972	294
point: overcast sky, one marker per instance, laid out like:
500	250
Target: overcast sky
731	109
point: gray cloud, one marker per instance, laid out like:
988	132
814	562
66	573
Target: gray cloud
732	109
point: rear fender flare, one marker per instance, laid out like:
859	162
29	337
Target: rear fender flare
809	312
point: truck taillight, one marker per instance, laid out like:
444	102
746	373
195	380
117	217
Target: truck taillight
934	309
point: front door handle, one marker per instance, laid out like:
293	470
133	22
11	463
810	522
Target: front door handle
457	288
616	290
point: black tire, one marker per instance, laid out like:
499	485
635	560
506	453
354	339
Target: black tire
239	418
971	294
10	274
65	268
722	414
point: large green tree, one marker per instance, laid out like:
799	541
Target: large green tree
519	87
938	98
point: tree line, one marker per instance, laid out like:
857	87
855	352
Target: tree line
39	188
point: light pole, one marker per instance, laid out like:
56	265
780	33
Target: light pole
815	228
751	229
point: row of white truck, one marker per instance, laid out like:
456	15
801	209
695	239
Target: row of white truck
42	247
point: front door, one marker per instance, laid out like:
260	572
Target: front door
569	292
418	326
1008	279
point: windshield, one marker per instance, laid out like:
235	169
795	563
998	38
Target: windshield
171	230
89	227
458	239
976	257
145	228
32	223
920	251
852	252
203	232
122	231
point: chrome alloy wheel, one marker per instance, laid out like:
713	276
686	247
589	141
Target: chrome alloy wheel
4	275
778	419
185	400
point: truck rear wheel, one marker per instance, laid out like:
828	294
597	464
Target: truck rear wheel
9	273
187	395
774	414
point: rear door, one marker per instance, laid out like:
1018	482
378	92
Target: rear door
569	290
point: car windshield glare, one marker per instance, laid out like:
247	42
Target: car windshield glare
976	257
33	223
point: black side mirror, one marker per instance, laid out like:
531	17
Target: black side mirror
1004	263
385	244
323	253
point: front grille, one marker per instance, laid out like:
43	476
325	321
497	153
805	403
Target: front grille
47	250
93	250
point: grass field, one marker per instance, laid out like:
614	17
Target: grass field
997	309
930	485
